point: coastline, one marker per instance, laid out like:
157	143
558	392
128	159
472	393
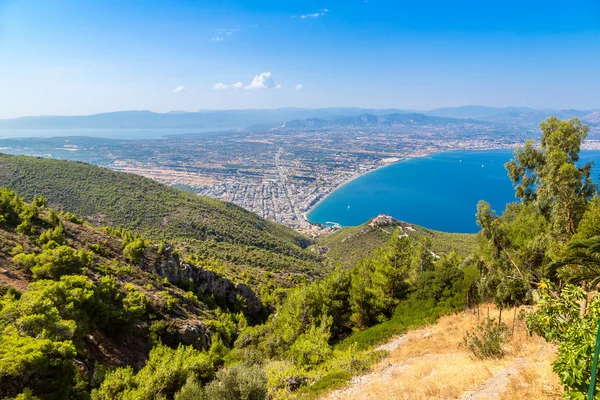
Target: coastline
356	176
406	158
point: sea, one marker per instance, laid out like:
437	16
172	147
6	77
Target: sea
440	191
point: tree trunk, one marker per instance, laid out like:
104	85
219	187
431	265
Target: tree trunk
583	308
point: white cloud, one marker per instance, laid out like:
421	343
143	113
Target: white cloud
217	39
180	88
262	81
320	13
298	87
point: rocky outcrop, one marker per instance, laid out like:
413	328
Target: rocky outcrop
207	283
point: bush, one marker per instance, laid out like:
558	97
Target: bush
283	376
165	373
134	251
311	348
53	262
192	390
487	339
57	235
239	382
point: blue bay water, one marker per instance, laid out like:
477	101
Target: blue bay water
440	191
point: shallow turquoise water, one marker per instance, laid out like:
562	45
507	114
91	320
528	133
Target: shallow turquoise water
439	191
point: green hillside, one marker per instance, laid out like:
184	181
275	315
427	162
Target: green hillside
76	300
350	244
209	228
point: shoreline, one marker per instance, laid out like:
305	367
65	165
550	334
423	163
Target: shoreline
355	177
406	158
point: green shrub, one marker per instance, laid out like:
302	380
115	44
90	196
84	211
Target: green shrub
165	373
57	235
134	251
283	376
487	339
115	383
53	262
311	348
134	304
26	395
239	382
192	390
72	218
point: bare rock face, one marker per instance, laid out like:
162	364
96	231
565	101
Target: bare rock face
195	333
207	283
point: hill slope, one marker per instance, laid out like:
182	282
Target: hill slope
210	228
350	244
433	363
75	299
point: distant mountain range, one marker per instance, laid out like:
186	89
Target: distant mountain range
293	118
366	120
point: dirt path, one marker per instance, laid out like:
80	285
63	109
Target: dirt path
432	363
497	384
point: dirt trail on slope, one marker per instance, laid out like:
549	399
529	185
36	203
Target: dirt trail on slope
432	363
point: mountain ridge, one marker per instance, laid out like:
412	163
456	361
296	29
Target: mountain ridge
245	118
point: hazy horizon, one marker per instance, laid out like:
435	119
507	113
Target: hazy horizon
308	108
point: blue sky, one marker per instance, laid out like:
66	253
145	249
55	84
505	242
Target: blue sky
82	56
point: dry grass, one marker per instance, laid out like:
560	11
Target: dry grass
433	363
535	381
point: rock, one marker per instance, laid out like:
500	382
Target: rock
195	333
207	282
426	335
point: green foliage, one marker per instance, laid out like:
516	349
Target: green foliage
56	235
192	390
164	374
486	340
514	249
71	217
349	245
548	176
134	304
214	228
559	317
589	226
115	383
241	382
38	329
53	262
284	377
580	263
134	251
380	282
409	314
312	347
26	395
11	206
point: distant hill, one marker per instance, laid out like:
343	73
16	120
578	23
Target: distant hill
351	244
204	119
476	112
289	117
370	120
208	227
512	114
